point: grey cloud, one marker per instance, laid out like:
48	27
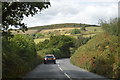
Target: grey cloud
62	12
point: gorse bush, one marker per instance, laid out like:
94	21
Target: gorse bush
19	55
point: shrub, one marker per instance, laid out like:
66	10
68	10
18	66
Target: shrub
19	56
54	51
42	45
57	44
75	31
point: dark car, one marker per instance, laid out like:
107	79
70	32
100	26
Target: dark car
49	58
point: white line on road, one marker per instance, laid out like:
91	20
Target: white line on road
60	67
68	76
64	73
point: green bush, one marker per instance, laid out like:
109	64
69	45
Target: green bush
54	51
19	56
42	45
57	44
75	31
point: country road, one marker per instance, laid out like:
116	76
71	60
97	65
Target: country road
62	70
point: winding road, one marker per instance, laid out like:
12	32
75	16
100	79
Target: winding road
62	70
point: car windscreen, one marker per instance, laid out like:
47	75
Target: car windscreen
49	56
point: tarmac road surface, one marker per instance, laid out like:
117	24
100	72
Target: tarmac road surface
62	70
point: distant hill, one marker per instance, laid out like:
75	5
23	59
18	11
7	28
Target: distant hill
61	26
37	29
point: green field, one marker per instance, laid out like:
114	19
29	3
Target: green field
61	29
89	32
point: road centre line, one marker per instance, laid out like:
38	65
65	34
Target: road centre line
67	76
64	72
60	67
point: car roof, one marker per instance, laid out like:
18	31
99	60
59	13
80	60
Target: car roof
49	55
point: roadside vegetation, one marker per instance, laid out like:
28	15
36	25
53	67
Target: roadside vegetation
22	52
87	45
57	45
19	55
62	42
101	54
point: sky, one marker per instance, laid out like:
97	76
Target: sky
75	11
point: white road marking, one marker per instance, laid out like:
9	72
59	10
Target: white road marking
64	73
60	67
67	76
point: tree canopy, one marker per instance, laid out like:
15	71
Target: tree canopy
14	12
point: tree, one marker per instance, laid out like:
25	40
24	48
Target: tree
14	12
111	26
75	31
62	43
19	56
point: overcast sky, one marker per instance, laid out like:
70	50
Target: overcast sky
75	11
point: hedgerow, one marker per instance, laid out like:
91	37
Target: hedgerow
19	56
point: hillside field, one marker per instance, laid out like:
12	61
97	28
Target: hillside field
61	29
